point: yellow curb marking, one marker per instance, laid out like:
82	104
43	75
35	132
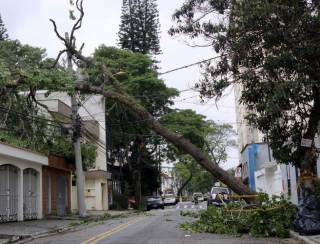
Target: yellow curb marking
108	233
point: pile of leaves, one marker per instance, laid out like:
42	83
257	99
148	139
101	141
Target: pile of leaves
193	214
267	217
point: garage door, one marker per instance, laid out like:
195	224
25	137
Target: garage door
8	193
30	194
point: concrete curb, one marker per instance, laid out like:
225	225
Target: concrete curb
304	239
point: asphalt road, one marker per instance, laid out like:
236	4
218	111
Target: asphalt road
154	227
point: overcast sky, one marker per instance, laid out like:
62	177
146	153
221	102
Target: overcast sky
28	21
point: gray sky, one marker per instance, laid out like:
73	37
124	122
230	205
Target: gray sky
28	21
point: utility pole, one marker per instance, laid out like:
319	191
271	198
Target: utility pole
76	142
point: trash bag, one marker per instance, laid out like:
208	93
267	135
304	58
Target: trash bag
307	221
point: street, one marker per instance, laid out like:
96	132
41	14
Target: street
154	227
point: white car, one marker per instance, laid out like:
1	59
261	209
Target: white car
198	196
169	199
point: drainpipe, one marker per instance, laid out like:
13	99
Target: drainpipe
269	152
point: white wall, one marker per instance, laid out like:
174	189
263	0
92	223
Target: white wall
246	133
23	159
269	180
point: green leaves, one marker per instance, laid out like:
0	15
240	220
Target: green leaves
30	66
270	50
271	217
139	27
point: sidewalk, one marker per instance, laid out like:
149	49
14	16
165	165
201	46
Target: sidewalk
15	231
306	239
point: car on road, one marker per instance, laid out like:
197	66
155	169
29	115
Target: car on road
154	202
169	199
218	196
197	197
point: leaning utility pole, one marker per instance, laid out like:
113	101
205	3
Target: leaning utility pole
76	142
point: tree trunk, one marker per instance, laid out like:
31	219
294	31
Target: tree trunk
307	172
184	185
176	139
137	187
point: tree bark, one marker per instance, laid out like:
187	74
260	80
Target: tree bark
176	139
184	184
137	186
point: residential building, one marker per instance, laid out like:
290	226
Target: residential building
92	114
56	182
258	168
167	180
20	183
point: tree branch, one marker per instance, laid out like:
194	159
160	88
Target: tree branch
58	34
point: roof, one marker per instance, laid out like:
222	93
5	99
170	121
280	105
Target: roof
22	154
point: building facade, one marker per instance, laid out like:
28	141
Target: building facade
258	168
20	183
92	114
167	180
56	182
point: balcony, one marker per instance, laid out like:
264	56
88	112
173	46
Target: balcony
92	127
58	109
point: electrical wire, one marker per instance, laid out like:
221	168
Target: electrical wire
187	66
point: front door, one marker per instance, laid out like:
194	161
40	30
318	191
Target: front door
61	195
30	194
8	193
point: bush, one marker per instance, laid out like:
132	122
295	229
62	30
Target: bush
268	217
120	202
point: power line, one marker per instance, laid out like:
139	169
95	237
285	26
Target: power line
189	65
24	115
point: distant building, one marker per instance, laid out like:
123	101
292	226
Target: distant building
167	180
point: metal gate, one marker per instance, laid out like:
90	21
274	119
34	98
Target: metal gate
8	193
30	194
61	195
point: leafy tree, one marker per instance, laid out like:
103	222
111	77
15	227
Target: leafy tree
207	135
24	70
112	88
271	49
139	27
3	31
130	136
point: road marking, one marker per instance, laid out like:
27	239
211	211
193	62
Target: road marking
185	206
108	233
192	206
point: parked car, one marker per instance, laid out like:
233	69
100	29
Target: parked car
154	202
218	196
197	197
206	196
169	199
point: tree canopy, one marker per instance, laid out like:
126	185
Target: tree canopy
24	121
212	138
139	27
271	50
130	140
3	31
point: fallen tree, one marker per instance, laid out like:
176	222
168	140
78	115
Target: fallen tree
111	88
